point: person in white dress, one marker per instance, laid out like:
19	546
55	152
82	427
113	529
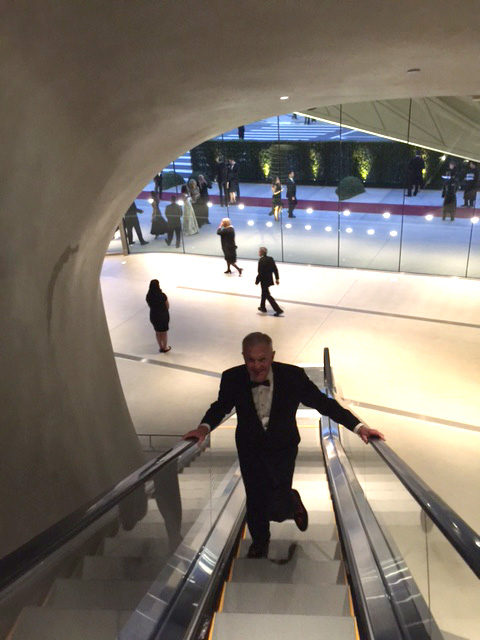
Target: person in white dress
190	224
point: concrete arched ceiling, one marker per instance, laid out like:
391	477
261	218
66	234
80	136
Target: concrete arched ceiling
95	97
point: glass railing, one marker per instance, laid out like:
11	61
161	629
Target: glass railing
428	553
91	571
448	585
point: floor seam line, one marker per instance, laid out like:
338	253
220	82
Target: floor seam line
345	309
411	414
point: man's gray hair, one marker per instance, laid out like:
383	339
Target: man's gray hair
255	338
263	251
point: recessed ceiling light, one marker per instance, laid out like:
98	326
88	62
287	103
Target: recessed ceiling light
269	224
308	227
241	206
288	226
309	210
284	97
250	223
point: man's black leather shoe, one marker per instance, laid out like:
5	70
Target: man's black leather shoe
258	550
301	514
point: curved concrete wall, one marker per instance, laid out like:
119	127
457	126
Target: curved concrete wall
96	96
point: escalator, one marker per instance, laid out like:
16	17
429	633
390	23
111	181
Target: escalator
163	554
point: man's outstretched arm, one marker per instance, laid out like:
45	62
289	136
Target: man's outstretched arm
214	415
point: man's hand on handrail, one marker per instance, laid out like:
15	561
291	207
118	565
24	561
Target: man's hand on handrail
200	433
365	434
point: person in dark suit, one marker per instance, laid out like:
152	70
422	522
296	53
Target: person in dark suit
173	213
291	194
266	396
221	178
470	181
266	270
415	168
131	222
158	182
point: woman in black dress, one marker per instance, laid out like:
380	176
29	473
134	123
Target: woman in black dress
229	248
159	224
159	315
277	189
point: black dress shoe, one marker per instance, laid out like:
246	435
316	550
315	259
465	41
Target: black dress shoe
262	310
257	551
292	216
301	514
144	242
278	313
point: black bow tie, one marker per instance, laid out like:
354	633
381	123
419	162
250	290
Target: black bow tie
265	383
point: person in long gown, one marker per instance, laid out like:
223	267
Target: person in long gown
159	314
229	248
202	204
190	224
159	224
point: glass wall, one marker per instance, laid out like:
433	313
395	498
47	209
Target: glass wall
318	191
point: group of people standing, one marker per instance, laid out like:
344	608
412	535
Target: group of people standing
452	181
227	177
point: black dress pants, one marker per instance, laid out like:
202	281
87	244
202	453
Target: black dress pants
177	229
266	295
267	477
292	203
222	190
130	224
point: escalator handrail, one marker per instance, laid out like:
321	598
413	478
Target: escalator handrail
22	560
461	536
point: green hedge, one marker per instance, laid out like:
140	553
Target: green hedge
376	164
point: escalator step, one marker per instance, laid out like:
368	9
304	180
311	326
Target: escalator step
238	626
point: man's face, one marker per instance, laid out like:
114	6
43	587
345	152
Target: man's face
258	359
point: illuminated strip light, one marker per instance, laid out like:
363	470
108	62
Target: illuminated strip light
382	135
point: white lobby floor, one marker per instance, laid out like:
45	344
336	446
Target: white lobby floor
405	351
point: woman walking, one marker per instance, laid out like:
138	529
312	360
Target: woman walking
229	248
159	314
277	189
159	224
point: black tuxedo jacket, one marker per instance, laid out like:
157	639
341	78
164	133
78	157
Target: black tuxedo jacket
266	269
291	189
291	386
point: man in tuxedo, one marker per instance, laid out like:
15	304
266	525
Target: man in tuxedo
221	177
291	194
266	270
173	213
266	395
131	222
